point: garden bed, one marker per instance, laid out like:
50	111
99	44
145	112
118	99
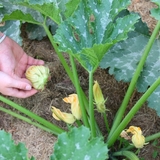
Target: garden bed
40	143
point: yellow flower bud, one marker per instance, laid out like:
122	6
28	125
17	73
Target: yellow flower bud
66	117
98	97
137	139
38	76
75	108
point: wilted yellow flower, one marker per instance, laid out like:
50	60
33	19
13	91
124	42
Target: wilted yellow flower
38	76
125	135
98	97
137	139
75	108
66	117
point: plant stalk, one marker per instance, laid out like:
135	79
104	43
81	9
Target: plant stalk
61	57
106	122
27	120
64	63
91	106
132	112
130	155
77	86
152	137
30	114
120	112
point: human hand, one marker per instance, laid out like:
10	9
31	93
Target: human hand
13	65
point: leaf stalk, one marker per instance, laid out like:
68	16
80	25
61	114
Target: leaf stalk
132	112
120	112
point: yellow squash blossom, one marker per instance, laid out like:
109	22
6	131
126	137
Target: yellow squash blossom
66	117
137	139
75	108
38	76
98	97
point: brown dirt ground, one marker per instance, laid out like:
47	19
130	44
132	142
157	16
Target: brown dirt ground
39	142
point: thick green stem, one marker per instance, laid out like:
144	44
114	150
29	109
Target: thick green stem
60	55
106	122
64	63
30	114
132	112
27	120
130	155
80	96
152	137
120	113
91	106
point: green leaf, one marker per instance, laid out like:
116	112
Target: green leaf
10	151
71	6
46	7
156	11
76	144
153	101
156	2
123	58
93	29
12	30
33	29
20	10
155	154
67	7
18	15
11	11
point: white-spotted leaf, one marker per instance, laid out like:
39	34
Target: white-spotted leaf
11	26
9	150
123	58
155	12
92	29
78	145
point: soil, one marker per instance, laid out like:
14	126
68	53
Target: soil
40	143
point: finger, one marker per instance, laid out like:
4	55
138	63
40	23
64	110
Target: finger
21	79
18	84
21	93
32	61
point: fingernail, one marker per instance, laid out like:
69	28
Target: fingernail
28	87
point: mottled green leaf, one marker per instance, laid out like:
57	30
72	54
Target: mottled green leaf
77	144
156	11
17	12
123	58
9	150
19	15
156	2
93	29
37	32
20	10
154	101
12	30
37	9
71	6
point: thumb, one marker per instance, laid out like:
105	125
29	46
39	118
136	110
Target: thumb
21	85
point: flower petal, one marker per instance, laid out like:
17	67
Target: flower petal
66	117
138	140
75	108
